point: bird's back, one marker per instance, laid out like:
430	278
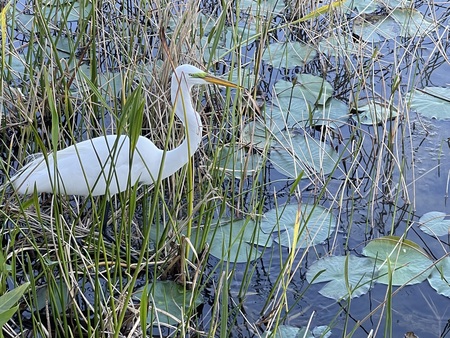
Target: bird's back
93	167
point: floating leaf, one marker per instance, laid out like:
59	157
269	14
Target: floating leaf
361	6
169	302
339	45
256	134
289	54
439	278
333	114
374	113
412	22
376	28
432	102
313	89
239	162
292	155
316	224
233	241
434	224
408	263
287	331
343	274
262	7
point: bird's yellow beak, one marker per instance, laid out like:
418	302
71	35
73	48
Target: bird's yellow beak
220	82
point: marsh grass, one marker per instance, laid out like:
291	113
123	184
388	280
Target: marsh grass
110	78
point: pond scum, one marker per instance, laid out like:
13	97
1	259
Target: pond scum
314	207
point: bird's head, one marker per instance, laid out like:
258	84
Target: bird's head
194	76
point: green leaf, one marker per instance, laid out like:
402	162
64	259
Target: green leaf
434	224
408	262
343	273
239	162
375	28
234	241
168	300
374	113
292	155
440	277
12	297
316	224
288	54
432	102
311	88
412	22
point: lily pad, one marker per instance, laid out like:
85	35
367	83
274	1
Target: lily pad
313	223
292	155
374	113
406	261
333	114
287	331
432	102
239	162
234	241
439	278
256	134
168	302
288	54
434	223
347	276
311	88
376	28
412	22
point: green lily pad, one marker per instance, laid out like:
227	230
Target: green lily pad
239	162
333	114
234	241
262	7
347	276
376	28
256	134
311	88
434	223
374	113
412	22
439	278
361	6
168	302
339	45
288	54
292	155
432	102
316	224
408	263
287	331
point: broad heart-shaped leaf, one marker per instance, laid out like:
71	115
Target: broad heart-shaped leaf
347	276
288	54
374	113
311	88
234	241
412	22
256	134
293	154
434	224
440	277
315	224
333	114
239	162
376	28
406	261
361	6
287	331
168	301
432	102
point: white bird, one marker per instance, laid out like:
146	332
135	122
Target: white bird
104	165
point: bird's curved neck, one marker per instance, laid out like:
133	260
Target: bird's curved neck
182	105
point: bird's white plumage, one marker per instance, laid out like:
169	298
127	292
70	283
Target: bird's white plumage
106	164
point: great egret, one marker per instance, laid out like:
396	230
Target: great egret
105	165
